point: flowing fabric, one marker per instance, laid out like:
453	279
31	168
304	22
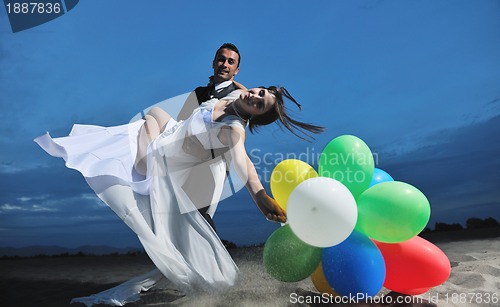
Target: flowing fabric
186	250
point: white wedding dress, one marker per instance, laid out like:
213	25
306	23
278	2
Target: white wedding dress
186	250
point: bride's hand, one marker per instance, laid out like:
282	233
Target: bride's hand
270	208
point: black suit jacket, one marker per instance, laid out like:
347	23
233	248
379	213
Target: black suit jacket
203	93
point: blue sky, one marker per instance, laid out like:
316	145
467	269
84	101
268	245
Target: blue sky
418	81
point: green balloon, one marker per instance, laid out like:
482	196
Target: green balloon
289	259
392	212
349	160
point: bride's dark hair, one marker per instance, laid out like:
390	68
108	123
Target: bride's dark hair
279	114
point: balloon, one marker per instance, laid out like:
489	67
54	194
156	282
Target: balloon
414	266
416	291
287	258
319	281
321	211
348	160
380	176
354	266
286	176
392	212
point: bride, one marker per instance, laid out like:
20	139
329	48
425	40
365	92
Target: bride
140	170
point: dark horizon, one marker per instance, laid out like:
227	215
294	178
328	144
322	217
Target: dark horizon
477	229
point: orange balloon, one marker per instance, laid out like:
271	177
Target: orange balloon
319	281
414	266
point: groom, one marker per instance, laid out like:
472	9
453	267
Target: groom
226	65
200	185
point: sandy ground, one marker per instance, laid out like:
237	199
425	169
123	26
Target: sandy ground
475	261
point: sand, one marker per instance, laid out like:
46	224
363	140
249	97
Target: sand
54	281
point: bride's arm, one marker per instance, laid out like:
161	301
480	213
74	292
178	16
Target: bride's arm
248	174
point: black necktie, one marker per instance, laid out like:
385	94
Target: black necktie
224	92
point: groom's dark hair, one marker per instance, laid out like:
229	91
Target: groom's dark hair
230	47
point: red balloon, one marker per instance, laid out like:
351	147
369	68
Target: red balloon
417	291
414	266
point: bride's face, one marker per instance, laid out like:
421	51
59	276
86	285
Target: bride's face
257	101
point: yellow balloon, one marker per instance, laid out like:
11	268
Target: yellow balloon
286	176
319	281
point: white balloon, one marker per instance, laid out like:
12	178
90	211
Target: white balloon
322	212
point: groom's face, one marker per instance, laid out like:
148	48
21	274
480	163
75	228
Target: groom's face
225	65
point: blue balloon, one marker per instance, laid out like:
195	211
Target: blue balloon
355	266
380	176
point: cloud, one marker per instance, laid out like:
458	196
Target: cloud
47	196
457	169
494	101
29	198
32	208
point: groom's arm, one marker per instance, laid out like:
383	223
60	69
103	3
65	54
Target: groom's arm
190	104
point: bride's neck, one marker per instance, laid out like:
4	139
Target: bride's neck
233	108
